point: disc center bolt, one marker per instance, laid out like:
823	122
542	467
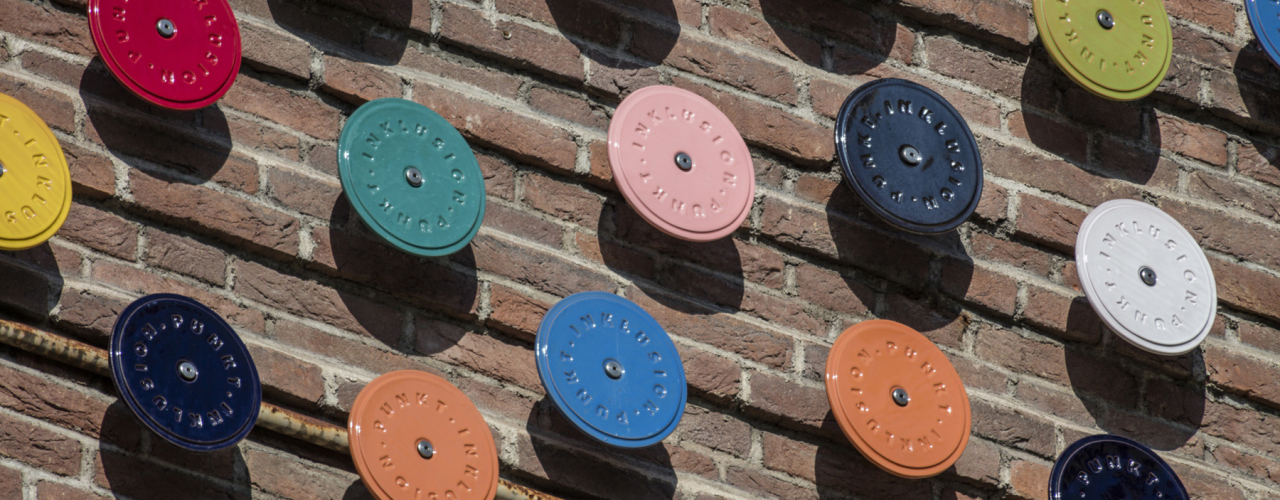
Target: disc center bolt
1148	276
909	154
684	161
413	176
165	28
187	370
613	369
2	170
901	397
425	449
1105	20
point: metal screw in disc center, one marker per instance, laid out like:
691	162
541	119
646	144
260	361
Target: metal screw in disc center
684	161
187	370
901	397
165	28
2	170
414	176
425	449
1148	276
613	369
1105	19
910	155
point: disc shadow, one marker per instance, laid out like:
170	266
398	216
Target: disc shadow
575	473
364	35
592	25
351	251
1258	80
619	223
863	41
839	470
1119	140
1107	392
194	144
31	292
127	471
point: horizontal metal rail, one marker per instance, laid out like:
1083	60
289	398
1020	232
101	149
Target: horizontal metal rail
270	417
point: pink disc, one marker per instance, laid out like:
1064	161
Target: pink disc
681	163
179	54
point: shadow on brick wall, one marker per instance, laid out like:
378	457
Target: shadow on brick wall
874	39
355	253
1257	80
364	36
1120	140
1166	420
125	469
575	472
194	144
30	292
839	469
590	25
620	223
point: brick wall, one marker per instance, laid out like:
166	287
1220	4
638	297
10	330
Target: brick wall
239	206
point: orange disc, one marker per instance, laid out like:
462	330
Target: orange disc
414	436
897	397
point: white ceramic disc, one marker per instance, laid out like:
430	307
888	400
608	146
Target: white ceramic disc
1146	277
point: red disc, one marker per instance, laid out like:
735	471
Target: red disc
179	54
898	399
414	436
681	163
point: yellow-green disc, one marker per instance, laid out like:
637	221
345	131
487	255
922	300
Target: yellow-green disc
1117	49
35	184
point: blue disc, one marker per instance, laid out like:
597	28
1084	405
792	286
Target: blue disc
1264	18
1107	466
411	176
184	372
611	369
909	155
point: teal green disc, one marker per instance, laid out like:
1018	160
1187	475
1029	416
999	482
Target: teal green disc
411	176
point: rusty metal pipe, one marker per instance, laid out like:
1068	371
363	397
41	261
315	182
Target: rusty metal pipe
270	417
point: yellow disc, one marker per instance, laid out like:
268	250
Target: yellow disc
35	184
1116	49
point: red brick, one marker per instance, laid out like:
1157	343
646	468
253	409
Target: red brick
85	313
125	475
1233	194
836	20
268	50
551	463
744	28
497	358
560	199
702	58
53	68
266	139
92	175
769	127
1052	175
1020	354
1260	162
1196	141
481	77
987	247
313	300
721	331
1213	14
356	82
711	376
499	177
75	409
1028	480
1012	427
39	447
292	380
1246	375
524	138
186	256
47	25
1048	223
569	107
1066	315
289	108
55	491
980	286
620	259
310	195
994	205
614	78
101	231
542	270
951	58
515	313
776	399
764	485
979	463
56	109
716	431
833	291
343	349
223	216
288	477
1065	140
516	43
139	281
522	224
835	468
589	19
1003	21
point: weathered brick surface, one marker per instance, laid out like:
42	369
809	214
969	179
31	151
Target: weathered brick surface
240	206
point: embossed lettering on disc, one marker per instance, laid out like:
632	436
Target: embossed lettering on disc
611	369
897	398
681	163
414	436
35	182
1107	466
1146	276
1116	49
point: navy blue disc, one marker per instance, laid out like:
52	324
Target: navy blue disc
1264	18
909	155
184	372
1113	467
611	369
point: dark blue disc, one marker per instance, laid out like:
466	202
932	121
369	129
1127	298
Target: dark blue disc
1264	17
611	369
909	155
184	372
1106	467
